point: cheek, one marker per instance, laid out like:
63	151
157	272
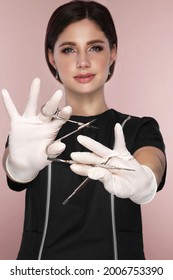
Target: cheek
104	67
66	72
63	68
103	62
64	65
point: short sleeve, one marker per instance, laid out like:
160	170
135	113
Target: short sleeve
148	134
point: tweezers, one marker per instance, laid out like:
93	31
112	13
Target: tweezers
56	116
87	180
106	166
83	184
81	125
78	123
88	124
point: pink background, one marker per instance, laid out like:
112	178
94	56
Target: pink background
142	85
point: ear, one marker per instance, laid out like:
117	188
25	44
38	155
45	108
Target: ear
51	58
113	54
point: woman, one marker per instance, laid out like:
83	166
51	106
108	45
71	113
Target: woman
121	156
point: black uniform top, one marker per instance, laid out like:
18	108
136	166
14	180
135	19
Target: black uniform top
82	229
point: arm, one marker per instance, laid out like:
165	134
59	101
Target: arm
154	159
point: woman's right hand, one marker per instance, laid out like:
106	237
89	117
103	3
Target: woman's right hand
32	135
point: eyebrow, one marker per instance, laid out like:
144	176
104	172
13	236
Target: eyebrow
88	43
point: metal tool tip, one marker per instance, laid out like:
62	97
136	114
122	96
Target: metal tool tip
65	201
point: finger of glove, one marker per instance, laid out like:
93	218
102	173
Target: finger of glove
31	106
58	122
64	114
99	173
120	148
120	145
80	169
104	176
50	107
9	105
55	149
87	158
94	146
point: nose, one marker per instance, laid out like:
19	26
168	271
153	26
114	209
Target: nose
82	61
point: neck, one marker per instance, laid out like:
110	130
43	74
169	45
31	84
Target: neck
86	105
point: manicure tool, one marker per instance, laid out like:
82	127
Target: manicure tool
104	165
56	116
76	130
81	125
84	183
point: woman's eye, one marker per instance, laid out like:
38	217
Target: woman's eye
96	48
68	50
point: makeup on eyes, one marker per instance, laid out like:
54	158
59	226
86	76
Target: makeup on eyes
69	50
72	47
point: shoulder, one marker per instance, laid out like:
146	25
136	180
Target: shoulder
135	121
140	131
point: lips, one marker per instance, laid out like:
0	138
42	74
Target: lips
84	78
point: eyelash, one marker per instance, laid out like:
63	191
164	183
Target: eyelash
69	50
97	48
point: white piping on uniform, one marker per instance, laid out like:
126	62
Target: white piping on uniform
114	228
47	210
124	122
48	207
113	212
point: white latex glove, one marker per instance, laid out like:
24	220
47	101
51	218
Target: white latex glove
139	185
31	136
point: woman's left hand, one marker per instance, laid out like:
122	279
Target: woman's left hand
139	183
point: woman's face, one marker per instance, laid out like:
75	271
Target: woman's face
82	57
